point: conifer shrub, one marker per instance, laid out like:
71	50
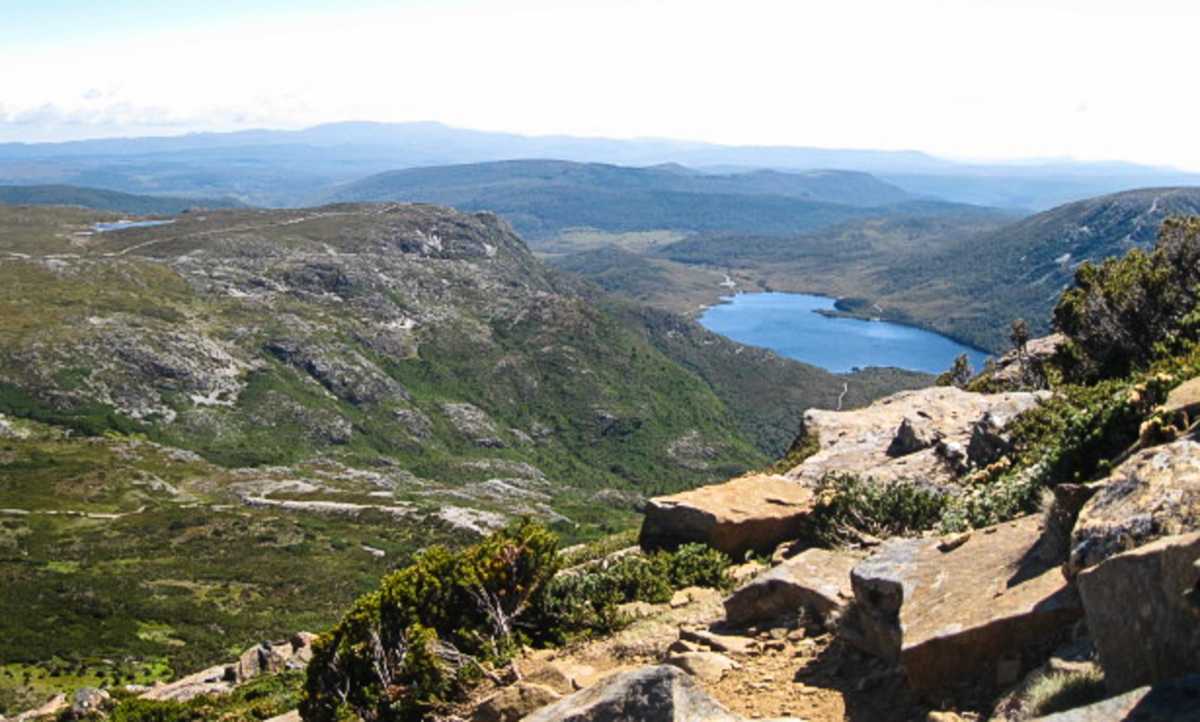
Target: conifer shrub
1125	312
430	628
435	627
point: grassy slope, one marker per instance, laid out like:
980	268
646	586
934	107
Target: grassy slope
196	574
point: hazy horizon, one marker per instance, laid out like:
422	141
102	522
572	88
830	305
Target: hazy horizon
973	81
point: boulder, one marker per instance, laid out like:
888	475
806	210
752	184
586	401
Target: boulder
1145	629
707	667
649	694
750	513
1174	701
817	580
914	434
1155	493
899	437
514	702
293	716
948	616
89	700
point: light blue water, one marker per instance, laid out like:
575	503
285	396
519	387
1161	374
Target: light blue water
787	323
122	225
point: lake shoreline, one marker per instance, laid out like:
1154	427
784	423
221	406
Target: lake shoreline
773	320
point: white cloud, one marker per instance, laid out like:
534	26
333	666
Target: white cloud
966	78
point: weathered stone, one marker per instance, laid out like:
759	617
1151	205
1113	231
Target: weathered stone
707	667
649	694
515	702
89	700
817	580
1174	701
293	716
949	616
729	643
860	441
1145	629
914	434
988	440
750	513
1155	493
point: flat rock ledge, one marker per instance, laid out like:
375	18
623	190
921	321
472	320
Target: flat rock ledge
816	580
750	513
980	608
921	436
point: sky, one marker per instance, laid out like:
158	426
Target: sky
965	79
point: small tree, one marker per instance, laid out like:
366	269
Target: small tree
1019	337
959	374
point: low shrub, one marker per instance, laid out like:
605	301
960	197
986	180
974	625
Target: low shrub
848	505
1061	691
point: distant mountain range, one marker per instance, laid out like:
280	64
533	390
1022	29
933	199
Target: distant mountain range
281	168
104	200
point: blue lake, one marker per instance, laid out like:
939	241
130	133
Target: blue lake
788	324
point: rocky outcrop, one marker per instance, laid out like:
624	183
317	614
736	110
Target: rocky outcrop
1174	701
948	616
1143	612
908	435
750	513
649	694
1155	493
816	580
264	658
1016	369
474	424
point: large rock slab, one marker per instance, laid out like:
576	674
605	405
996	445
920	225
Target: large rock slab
750	513
1145	624
1174	701
904	436
817	580
948	616
649	694
1155	493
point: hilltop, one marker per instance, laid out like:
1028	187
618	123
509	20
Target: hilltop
105	200
543	197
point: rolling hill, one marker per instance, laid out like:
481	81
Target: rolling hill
105	200
542	198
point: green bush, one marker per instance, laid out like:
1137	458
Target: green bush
1126	312
584	602
431	627
847	505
